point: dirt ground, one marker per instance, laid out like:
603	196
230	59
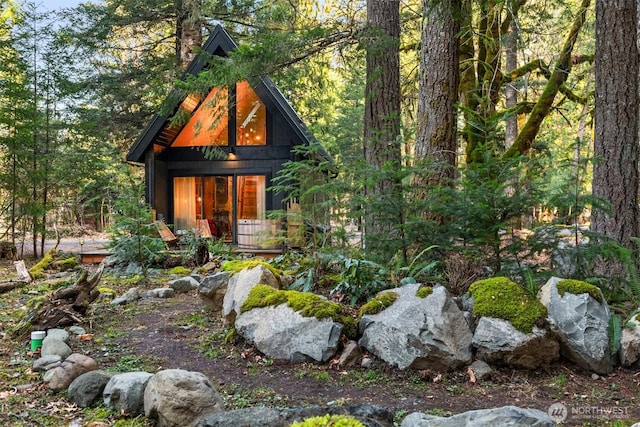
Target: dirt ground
181	333
174	335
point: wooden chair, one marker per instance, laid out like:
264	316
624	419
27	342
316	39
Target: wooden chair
203	229
167	235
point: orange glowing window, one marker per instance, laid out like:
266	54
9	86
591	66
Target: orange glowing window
209	124
251	116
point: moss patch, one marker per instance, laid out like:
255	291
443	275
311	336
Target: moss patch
501	298
180	271
305	303
37	271
237	266
578	287
329	420
378	303
424	291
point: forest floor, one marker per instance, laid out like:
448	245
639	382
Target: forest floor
181	333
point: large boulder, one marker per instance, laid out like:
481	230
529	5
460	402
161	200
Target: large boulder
72	367
419	333
581	322
498	341
240	284
212	290
630	343
283	333
175	398
88	388
125	392
506	416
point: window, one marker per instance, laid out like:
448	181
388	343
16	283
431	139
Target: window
251	116
209	124
211	198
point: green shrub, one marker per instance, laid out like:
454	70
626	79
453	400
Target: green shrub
501	298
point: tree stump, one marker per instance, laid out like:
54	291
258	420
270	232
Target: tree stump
64	307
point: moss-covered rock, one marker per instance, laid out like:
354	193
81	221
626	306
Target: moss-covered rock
305	303
504	299
578	287
424	291
180	271
378	303
237	266
329	421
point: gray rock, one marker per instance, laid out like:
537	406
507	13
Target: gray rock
77	330
125	392
481	370
247	417
45	363
282	333
160	293
630	343
498	341
133	269
175	397
350	354
72	367
582	326
240	284
419	333
87	389
130	296
55	347
46	377
183	284
212	290
506	416
58	334
368	415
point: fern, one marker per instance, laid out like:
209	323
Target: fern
615	333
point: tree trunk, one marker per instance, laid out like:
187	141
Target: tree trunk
558	77
510	90
382	148
615	174
436	142
188	30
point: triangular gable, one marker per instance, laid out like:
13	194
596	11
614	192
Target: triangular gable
160	132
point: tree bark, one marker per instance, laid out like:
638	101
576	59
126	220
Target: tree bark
382	148
436	142
188	30
615	174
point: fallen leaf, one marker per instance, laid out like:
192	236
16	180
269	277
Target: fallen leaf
85	337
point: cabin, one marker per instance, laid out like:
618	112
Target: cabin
252	128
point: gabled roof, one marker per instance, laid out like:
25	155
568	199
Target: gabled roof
160	131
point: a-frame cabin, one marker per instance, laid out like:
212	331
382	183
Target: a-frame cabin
254	126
